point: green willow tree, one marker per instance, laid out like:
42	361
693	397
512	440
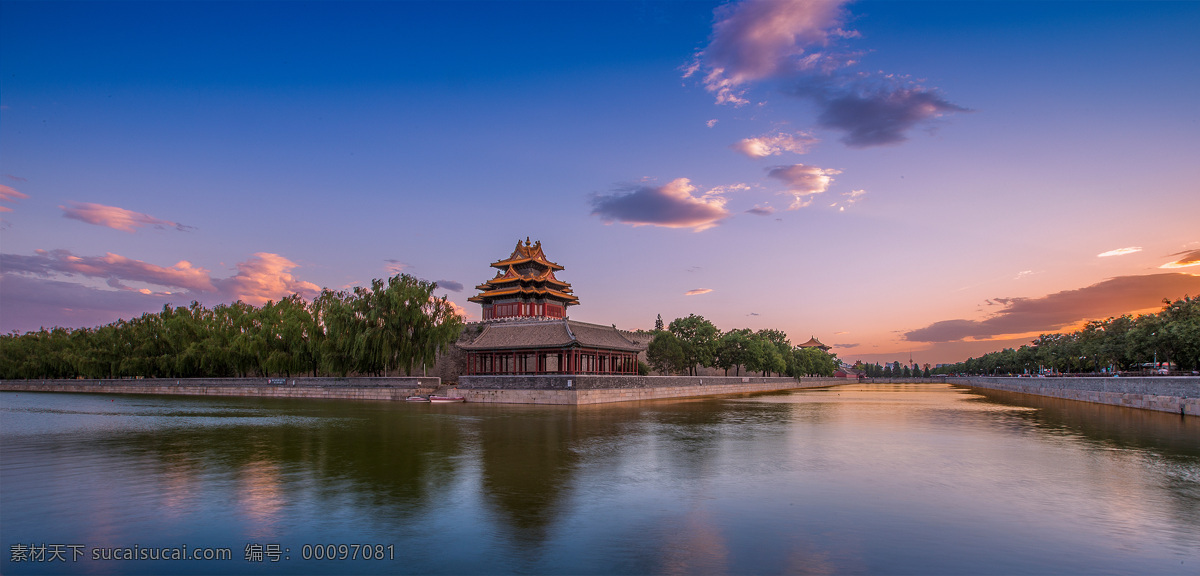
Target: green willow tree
393	326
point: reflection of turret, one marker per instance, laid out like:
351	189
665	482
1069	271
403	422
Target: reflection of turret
528	464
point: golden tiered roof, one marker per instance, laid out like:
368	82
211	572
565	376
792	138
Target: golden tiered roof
813	343
526	253
535	279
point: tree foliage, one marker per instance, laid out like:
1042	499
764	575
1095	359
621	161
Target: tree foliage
665	353
1121	343
693	342
698	338
393	326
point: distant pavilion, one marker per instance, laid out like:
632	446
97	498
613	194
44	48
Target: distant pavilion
526	329
814	343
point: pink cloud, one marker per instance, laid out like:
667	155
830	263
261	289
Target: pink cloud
114	267
35	281
394	266
9	194
793	44
773	145
115	218
759	39
672	205
263	277
697	292
459	310
31	303
803	181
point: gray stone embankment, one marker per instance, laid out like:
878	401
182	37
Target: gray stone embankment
1178	394
328	388
589	389
569	390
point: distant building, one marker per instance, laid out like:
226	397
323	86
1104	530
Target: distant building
814	343
526	330
848	371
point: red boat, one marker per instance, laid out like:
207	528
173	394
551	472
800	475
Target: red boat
444	399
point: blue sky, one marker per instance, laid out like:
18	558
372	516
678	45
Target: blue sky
933	178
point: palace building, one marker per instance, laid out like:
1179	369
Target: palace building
525	287
526	330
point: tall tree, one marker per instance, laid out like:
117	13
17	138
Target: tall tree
698	338
733	350
665	353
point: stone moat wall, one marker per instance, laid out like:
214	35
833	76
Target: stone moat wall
561	389
492	389
331	388
1180	395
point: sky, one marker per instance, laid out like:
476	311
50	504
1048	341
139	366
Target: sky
924	180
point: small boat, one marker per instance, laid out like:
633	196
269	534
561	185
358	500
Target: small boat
416	399
444	399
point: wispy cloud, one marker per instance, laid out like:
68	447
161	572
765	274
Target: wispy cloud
794	44
262	277
450	285
9	194
112	267
1185	260
673	205
394	266
1053	312
761	210
850	198
16	178
760	39
711	123
803	181
31	302
1120	252
775	144
116	218
697	292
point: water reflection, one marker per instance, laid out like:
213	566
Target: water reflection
859	478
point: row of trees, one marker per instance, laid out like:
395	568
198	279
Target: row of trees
894	370
392	326
1123	343
688	343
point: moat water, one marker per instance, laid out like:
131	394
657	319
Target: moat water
856	479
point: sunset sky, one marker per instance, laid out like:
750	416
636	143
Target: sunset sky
940	179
